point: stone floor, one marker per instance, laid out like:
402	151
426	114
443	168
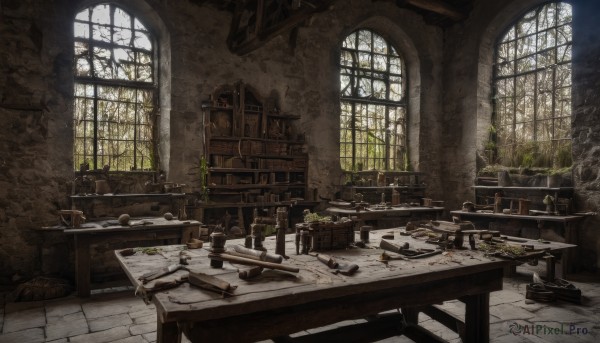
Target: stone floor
116	315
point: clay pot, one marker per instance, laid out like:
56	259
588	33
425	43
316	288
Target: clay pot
72	218
102	187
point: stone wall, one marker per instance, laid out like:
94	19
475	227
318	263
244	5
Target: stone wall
586	126
36	94
448	108
468	55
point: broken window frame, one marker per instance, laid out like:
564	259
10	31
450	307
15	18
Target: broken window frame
129	82
513	145
359	150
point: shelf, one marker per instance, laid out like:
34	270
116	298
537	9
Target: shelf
255	186
252	170
256	153
518	216
258	139
388	187
522	188
257	204
386	172
283	116
133	195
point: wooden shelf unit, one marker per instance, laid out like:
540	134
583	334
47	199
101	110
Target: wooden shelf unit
255	156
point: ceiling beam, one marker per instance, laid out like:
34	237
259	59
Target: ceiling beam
261	33
439	7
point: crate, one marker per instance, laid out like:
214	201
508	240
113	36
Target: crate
328	235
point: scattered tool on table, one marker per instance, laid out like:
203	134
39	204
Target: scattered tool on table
249	273
385	257
251	262
262	255
332	263
404	250
211	283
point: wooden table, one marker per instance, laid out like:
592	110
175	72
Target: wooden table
568	224
395	212
279	303
105	231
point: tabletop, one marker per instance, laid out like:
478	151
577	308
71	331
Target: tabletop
112	225
313	282
391	211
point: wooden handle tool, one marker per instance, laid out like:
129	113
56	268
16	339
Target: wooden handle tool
251	262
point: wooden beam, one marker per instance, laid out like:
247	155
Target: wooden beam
265	34
439	7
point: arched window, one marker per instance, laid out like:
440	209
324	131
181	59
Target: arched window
532	89
115	90
373	104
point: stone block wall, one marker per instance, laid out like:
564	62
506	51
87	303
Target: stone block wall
36	85
448	106
586	127
468	55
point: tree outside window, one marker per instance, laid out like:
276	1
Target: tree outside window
532	90
373	104
115	90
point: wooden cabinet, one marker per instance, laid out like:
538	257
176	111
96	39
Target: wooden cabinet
255	156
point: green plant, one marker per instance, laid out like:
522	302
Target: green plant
202	175
312	217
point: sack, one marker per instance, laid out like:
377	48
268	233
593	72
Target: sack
41	288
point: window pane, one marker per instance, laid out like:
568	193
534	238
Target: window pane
350	41
372	119
101	14
81	30
380	62
527	118
120	127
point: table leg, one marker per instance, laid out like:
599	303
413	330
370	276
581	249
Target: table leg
167	332
477	318
82	264
568	256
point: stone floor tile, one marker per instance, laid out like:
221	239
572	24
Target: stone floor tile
456	308
27	319
150	336
132	339
105	336
143	313
99	309
61	340
61	308
35	335
505	297
151	318
510	311
138	329
109	322
71	325
560	314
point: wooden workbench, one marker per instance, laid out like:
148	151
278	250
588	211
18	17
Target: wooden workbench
279	303
108	230
568	225
377	216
